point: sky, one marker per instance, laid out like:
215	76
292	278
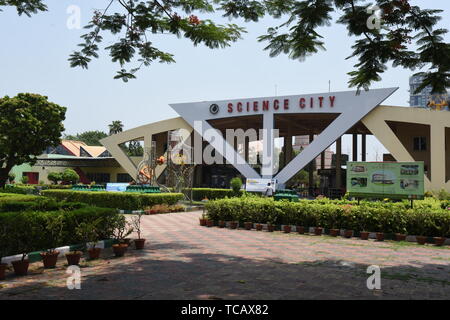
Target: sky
34	52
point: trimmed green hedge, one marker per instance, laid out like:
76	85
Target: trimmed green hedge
118	200
212	194
20	189
17	204
25	232
427	217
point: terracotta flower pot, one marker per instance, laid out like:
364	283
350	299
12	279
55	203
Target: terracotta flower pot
210	223
318	231
364	235
248	225
139	244
73	258
270	227
21	267
94	253
259	227
334	232
421	239
222	224
234	224
348	234
300	229
400	237
49	259
3	267
380	236
439	241
119	249
202	222
287	229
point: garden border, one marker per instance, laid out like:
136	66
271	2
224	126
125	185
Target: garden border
36	255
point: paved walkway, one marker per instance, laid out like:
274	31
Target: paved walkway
185	261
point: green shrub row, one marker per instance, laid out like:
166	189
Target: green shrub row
199	194
426	218
26	231
16	204
118	200
20	189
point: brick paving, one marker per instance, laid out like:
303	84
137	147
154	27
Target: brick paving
185	261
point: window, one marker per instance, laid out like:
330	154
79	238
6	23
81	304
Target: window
98	177
420	144
124	177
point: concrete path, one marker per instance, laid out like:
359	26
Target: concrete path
185	261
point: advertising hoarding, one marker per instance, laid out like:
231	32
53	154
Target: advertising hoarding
396	180
260	185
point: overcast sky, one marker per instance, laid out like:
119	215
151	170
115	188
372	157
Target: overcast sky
34	52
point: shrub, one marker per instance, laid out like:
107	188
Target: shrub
118	200
24	179
26	232
427	217
70	176
213	194
54	177
236	184
21	189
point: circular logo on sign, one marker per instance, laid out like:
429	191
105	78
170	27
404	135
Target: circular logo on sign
214	108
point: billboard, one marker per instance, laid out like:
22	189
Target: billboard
396	180
260	185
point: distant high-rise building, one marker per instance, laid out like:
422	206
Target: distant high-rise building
422	98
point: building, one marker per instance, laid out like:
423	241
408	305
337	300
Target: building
424	98
92	163
301	142
410	134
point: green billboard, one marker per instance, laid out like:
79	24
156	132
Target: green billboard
396	180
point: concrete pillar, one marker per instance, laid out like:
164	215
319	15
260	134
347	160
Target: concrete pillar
338	163
322	160
437	151
311	168
363	147
355	147
268	146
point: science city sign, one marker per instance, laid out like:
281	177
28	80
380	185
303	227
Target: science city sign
350	106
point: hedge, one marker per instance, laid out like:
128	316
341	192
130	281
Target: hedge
426	218
212	194
25	232
20	189
118	200
17	204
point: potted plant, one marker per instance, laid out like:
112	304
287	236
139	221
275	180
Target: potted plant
88	232
418	225
53	230
23	243
120	232
234	224
287	228
259	227
300	229
203	220
248	225
3	252
318	231
270	227
210	223
380	236
222	224
136	225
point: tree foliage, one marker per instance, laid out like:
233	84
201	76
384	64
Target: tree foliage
408	35
29	123
91	138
